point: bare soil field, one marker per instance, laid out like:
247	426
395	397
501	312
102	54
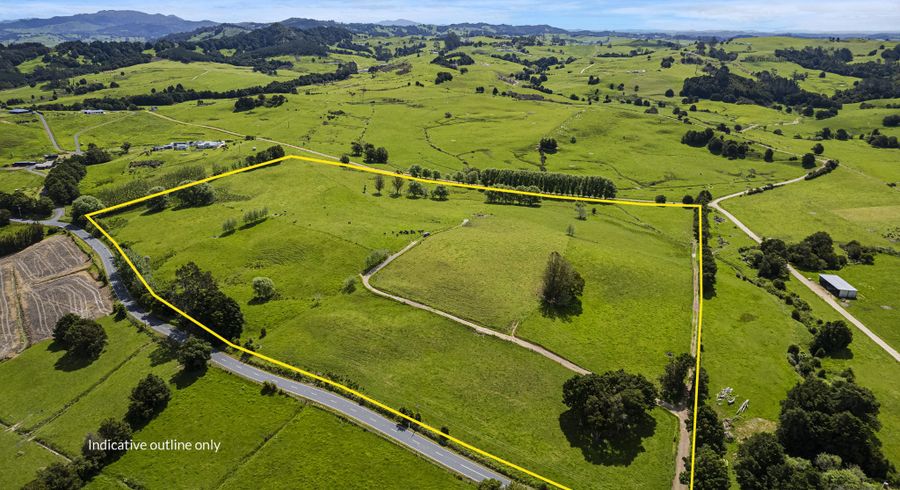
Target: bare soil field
41	284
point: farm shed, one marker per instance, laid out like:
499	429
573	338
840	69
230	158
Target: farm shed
837	286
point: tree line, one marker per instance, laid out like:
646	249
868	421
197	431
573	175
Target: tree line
550	182
21	239
766	90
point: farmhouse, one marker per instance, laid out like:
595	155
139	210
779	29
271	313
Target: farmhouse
44	166
837	286
23	164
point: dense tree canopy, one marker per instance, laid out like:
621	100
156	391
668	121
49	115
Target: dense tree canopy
198	294
609	404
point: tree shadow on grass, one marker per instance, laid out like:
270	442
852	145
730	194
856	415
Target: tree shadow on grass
564	313
619	452
163	353
844	353
186	377
71	361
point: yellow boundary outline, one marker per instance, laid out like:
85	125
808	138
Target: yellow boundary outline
351	391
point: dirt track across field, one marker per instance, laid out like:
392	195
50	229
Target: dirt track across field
41	284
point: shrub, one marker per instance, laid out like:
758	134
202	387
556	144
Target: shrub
375	258
263	289
349	285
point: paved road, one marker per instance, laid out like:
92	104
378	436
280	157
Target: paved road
49	133
474	326
815	288
350	409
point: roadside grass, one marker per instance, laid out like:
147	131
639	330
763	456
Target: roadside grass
62	379
490	393
312	449
20	459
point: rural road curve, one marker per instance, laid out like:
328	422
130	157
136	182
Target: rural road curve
348	408
815	288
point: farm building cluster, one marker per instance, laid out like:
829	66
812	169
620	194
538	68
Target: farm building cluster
180	146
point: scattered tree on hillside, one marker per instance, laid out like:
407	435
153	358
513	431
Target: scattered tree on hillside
808	160
198	294
148	398
158	203
263	289
81	336
561	283
379	183
397	184
831	338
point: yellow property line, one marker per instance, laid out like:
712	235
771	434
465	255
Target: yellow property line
351	391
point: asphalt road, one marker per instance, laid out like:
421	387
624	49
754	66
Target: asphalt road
348	408
49	133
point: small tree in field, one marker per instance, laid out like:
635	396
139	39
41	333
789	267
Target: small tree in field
158	203
194	353
125	147
379	184
580	211
397	184
148	398
561	283
263	289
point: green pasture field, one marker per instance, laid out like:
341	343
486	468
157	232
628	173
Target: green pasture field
22	137
490	272
399	355
62	379
310	451
216	395
20	180
21	459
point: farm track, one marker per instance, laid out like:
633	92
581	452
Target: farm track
350	409
683	449
49	133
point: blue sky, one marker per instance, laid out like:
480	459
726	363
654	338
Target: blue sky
765	16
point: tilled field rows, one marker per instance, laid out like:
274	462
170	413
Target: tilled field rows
10	331
46	280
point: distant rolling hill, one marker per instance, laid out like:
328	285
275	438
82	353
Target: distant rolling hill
105	25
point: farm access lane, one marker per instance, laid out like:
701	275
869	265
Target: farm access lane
820	292
347	408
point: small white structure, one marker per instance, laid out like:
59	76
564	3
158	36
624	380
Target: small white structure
20	111
180	146
46	165
93	111
203	145
837	286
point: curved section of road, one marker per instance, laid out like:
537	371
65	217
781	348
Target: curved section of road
474	326
347	408
815	288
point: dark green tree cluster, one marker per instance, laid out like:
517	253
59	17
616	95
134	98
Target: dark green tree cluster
606	406
20	205
709	270
500	197
270	153
548	145
561	284
729	148
840	418
84	205
767	89
201	194
443	76
697	138
815	252
453	60
859	253
148	399
194	353
61	183
832	337
21	239
197	294
250	103
369	152
81	336
674	383
550	182
771	261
